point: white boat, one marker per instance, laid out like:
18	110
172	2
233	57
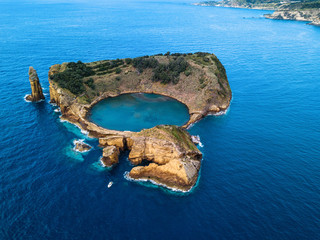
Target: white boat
110	184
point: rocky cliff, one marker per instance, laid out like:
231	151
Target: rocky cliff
167	154
174	159
36	94
311	15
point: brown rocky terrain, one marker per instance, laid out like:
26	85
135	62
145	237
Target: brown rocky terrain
80	146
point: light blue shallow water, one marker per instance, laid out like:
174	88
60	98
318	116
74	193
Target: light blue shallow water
260	176
134	112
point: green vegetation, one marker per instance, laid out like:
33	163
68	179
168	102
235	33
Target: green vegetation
72	77
108	66
128	60
188	72
90	83
303	5
181	136
145	62
164	73
85	80
221	71
118	70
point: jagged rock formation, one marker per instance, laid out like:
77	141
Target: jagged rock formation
174	159
36	89
167	152
80	146
110	156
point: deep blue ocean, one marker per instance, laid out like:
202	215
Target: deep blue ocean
260	175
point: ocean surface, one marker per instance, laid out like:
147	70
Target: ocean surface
260	175
134	112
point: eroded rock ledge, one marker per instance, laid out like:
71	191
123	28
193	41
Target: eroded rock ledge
172	158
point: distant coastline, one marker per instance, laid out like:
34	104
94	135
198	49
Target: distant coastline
308	11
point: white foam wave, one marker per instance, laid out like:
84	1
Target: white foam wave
53	104
101	163
127	177
71	127
62	120
84	132
220	113
80	141
25	99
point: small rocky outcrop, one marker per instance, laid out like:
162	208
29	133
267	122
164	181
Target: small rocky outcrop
36	94
110	156
174	159
80	146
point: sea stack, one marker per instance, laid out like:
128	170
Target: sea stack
36	94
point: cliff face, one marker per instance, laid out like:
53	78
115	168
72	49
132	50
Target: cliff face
311	15
174	159
168	155
36	94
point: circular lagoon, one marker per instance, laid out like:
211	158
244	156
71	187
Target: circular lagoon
134	112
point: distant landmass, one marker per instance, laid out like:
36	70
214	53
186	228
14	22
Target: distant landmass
307	10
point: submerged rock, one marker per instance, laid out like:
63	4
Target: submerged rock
36	94
80	146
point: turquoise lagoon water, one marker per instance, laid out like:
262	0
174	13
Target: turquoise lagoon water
260	175
134	112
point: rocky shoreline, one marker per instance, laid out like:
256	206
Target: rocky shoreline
282	11
310	16
173	159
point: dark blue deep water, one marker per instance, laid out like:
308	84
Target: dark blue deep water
134	112
260	176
